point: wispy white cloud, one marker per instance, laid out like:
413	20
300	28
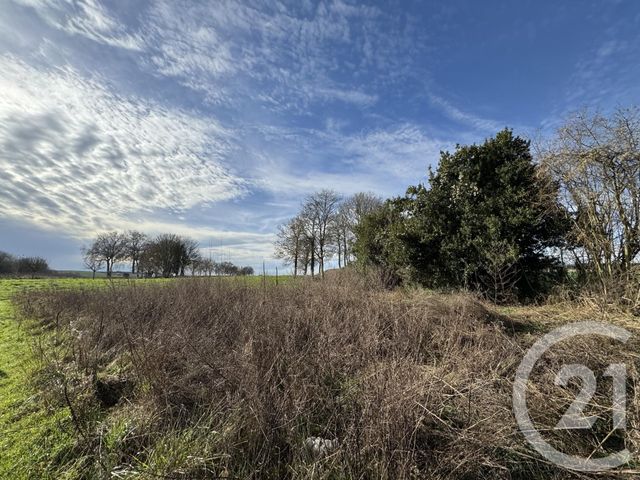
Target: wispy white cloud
229	50
403	152
288	55
348	96
607	72
606	75
87	18
82	158
465	117
384	160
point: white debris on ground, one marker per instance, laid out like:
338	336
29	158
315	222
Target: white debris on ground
320	446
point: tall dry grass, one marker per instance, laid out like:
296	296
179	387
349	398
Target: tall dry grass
214	378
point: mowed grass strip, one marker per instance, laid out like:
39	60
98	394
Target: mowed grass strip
32	436
35	438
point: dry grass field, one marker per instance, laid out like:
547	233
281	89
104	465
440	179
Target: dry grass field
214	378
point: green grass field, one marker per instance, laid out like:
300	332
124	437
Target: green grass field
32	435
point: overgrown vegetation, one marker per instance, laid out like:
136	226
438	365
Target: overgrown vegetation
344	377
216	378
595	160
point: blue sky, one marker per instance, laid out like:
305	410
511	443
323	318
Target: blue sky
215	119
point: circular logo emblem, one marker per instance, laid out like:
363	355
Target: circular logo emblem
573	418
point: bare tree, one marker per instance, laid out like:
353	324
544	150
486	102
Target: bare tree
91	260
325	227
32	266
207	266
227	268
310	224
319	212
110	248
290	243
350	214
168	255
7	263
339	235
135	242
190	253
596	161
246	271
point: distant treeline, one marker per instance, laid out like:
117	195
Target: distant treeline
31	266
166	255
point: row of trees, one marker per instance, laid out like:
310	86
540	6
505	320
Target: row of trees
166	255
494	220
31	266
323	229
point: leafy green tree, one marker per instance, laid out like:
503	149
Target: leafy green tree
380	235
488	221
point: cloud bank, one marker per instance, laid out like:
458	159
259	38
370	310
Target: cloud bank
78	157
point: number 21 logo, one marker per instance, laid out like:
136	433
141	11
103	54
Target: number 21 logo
574	417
